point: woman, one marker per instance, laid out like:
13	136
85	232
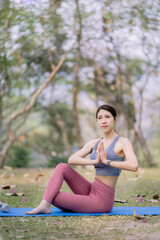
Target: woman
107	156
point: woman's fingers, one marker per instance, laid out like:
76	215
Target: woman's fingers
98	150
101	146
101	152
98	156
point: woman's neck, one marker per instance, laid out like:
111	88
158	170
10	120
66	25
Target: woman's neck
110	135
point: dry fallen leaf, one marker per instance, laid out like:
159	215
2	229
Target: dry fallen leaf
137	216
120	201
7	186
7	167
38	176
15	194
11	194
138	195
139	172
152	200
156	196
20	237
20	194
137	175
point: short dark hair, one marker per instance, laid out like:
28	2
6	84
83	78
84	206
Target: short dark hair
107	108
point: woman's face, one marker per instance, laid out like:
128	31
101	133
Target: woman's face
105	121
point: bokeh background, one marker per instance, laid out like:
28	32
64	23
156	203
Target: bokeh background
87	53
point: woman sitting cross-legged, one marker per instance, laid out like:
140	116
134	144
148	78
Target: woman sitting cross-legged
109	155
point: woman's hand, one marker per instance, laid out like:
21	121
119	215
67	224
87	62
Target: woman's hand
103	154
98	160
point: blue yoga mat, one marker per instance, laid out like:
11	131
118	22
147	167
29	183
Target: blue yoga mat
20	212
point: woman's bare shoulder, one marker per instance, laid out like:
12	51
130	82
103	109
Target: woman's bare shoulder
92	142
124	140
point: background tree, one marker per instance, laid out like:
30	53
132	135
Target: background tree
12	127
116	50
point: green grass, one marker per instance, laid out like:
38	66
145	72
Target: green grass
145	182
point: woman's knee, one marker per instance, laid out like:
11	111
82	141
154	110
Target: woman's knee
62	166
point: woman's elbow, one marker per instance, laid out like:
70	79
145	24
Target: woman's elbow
70	162
134	168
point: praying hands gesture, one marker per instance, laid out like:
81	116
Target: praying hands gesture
102	155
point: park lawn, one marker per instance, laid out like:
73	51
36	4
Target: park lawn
32	182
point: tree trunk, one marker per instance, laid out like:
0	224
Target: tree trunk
120	103
96	86
138	134
144	147
99	80
2	160
5	150
12	133
76	80
75	111
65	139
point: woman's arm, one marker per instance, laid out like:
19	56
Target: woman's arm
78	158
131	163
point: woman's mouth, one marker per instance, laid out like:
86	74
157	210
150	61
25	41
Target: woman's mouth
104	126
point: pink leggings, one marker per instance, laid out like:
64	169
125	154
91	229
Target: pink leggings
86	197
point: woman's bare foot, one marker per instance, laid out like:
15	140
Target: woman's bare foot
43	207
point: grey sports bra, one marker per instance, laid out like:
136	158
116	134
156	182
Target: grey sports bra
101	168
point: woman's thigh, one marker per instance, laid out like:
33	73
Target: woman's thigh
75	180
79	203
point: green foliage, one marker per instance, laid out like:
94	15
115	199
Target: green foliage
34	36
53	161
18	156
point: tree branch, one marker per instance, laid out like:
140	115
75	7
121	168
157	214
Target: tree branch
35	96
2	89
25	109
